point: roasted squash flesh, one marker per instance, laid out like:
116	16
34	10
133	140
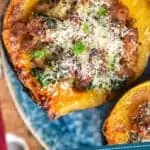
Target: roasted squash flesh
140	11
120	125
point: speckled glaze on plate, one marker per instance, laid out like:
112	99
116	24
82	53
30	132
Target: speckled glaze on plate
81	130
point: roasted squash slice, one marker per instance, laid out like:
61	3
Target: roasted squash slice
68	100
140	10
129	120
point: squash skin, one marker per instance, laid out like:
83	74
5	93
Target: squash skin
70	100
117	126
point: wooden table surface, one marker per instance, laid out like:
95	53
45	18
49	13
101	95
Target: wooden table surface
12	121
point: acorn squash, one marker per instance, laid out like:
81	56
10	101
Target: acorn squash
129	120
68	100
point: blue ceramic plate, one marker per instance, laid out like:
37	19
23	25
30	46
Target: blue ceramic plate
78	130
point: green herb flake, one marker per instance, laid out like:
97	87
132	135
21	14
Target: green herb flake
112	66
40	76
78	48
102	11
36	72
86	28
38	54
44	83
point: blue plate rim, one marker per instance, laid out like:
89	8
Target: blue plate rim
15	101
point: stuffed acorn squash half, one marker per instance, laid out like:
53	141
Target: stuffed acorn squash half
129	121
73	54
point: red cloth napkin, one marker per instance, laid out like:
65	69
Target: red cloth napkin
2	135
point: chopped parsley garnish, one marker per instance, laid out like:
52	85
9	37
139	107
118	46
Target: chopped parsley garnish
44	79
38	54
112	66
78	48
38	74
86	28
102	11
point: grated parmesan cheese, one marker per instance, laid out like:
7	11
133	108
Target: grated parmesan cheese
102	35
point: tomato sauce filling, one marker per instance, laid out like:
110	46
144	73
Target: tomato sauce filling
141	124
85	45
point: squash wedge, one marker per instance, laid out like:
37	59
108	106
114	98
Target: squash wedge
140	11
119	126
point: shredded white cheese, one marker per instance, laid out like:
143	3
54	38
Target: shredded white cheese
101	35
